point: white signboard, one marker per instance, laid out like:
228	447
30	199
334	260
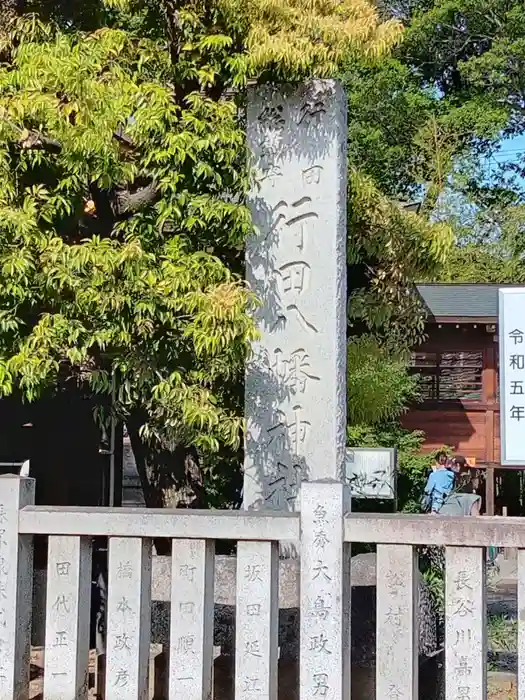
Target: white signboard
371	472
512	375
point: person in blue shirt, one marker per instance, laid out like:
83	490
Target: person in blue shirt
440	485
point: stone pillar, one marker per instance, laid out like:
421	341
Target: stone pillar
397	623
257	620
466	624
16	588
296	264
325	593
68	603
191	637
128	619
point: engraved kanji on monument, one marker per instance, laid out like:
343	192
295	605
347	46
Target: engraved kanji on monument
257	620
397	623
295	400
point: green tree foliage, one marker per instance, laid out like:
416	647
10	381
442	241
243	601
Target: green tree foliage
104	260
379	388
469	55
488	224
453	87
423	121
483	263
398	153
391	160
388	248
379	391
266	39
472	54
386	110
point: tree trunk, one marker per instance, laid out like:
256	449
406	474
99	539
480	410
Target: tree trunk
169	479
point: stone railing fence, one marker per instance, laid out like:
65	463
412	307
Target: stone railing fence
324	532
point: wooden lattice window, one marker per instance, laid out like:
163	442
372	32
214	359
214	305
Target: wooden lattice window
449	376
426	365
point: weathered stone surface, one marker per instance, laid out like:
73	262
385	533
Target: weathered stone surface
466	622
397	623
363	680
325	593
296	264
363	628
265	525
128	620
191	642
16	561
68	617
363	597
132	492
256	620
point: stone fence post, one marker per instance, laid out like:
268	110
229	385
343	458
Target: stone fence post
325	592
16	588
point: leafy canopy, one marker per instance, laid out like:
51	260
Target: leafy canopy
396	247
91	286
122	184
472	55
424	119
283	39
379	388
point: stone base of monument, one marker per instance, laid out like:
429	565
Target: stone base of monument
363	576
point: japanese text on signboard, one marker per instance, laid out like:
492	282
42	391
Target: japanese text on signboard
515	369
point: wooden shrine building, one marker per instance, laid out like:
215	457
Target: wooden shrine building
458	365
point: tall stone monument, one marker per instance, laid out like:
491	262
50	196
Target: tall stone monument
295	402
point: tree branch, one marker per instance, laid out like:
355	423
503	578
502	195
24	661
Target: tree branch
171	10
30	140
111	206
127	203
108	205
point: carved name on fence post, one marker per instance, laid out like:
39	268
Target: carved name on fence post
67	618
465	633
129	618
397	626
192	599
257	621
325	593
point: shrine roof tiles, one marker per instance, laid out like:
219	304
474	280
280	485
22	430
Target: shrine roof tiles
461	301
